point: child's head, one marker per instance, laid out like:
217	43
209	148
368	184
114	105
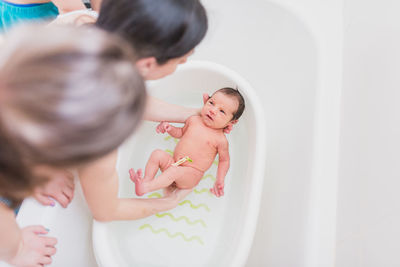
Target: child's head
67	96
163	32
224	107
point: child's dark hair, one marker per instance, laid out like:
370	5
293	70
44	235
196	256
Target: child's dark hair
163	29
236	94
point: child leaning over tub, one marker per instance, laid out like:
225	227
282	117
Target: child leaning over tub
201	139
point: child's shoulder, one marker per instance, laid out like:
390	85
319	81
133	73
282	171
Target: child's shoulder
193	118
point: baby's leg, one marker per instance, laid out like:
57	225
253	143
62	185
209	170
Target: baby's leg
190	178
142	186
159	159
184	178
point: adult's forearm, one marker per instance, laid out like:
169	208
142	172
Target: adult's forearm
10	234
159	110
137	208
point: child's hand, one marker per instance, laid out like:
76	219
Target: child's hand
59	187
218	189
163	127
35	248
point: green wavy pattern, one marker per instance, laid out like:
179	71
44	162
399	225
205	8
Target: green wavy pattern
209	176
187	239
170	137
215	162
186	219
203	190
194	206
169	152
154	195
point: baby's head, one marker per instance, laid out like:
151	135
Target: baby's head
223	108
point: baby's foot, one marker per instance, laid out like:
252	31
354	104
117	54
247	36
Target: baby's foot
136	177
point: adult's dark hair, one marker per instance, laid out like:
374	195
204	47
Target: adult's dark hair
67	96
238	96
163	29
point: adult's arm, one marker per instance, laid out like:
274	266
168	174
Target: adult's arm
10	234
159	110
99	182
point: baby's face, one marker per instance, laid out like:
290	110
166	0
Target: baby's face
218	111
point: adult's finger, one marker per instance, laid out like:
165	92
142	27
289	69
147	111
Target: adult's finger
62	199
37	229
45	200
45	260
69	193
49	251
205	97
49	241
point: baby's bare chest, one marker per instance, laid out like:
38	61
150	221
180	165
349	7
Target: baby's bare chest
202	137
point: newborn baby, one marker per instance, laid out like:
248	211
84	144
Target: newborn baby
201	139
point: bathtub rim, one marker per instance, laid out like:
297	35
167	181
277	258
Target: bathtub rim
99	230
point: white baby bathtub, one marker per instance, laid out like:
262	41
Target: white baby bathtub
195	233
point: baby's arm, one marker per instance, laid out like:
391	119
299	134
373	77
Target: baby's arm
223	167
100	186
175	132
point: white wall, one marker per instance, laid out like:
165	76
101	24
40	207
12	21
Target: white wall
368	224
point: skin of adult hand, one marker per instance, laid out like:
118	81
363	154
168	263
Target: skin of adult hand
35	249
175	194
59	187
228	128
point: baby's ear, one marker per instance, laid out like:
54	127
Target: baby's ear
233	121
205	97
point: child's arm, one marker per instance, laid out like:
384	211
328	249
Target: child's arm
23	247
100	186
175	132
68	6
223	167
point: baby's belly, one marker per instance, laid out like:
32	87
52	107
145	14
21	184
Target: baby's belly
200	161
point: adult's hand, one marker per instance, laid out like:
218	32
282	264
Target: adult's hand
59	187
35	249
175	195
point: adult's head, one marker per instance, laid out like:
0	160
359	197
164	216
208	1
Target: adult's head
163	32
67	96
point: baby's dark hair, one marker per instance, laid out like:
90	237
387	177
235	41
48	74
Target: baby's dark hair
236	94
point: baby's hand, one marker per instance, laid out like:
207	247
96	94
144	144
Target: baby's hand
60	187
163	127
218	189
